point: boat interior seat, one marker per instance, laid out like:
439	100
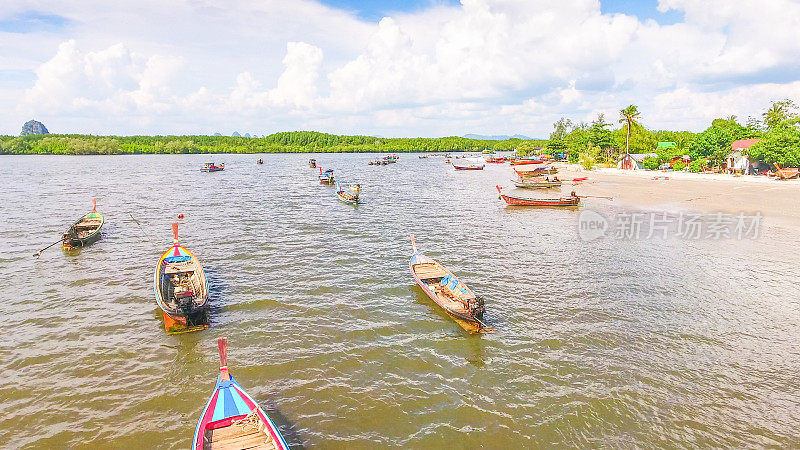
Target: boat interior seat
426	271
180	267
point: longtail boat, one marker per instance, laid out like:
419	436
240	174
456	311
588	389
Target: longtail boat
312	163
494	159
326	177
232	419
572	200
468	166
537	183
181	289
447	291
521	162
85	230
528	171
786	173
349	195
211	167
260	161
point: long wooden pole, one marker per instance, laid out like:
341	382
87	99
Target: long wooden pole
39	253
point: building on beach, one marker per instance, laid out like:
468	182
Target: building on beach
633	161
737	161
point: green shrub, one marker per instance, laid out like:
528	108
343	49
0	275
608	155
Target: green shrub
678	166
651	163
586	160
697	165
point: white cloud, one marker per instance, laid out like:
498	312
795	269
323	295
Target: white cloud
503	66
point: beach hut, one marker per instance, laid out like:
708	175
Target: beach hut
737	161
633	161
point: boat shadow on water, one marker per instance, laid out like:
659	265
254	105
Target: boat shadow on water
287	427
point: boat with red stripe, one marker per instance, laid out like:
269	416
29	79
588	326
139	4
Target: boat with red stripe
232	419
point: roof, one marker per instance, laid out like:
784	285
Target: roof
666	145
743	144
640	156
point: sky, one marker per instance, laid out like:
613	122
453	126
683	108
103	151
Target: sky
390	68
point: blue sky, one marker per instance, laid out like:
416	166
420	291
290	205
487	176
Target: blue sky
439	68
375	10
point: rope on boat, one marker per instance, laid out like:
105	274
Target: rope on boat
253	422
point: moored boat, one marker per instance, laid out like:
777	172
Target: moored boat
232	419
349	195
524	161
326	177
85	230
181	289
537	183
447	291
468	165
312	163
514	200
786	173
260	161
211	167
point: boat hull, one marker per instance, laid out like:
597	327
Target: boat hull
468	167
70	239
466	321
347	199
211	170
187	315
522	201
228	403
536	184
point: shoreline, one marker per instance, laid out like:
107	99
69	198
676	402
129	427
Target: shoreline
777	200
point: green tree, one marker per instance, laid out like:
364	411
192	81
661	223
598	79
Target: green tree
781	111
629	116
779	145
651	163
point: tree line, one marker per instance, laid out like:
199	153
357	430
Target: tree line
286	142
778	130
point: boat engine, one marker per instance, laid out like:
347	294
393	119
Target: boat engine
476	307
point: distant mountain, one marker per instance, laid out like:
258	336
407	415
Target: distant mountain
247	135
217	134
33	127
499	137
236	134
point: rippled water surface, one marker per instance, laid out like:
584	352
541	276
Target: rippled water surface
608	343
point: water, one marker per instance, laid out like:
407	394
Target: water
608	343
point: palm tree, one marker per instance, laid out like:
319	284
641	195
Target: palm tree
629	116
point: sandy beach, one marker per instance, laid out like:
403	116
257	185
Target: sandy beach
777	200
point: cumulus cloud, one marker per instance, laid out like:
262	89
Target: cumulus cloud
503	66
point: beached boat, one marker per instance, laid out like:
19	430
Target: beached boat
531	171
447	291
181	289
312	163
85	230
468	166
494	159
514	200
537	183
232	420
326	177
211	167
786	173
349	195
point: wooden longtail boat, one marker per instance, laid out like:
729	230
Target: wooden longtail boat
326	177
447	291
521	162
211	167
181	289
494	159
85	230
312	163
787	173
260	161
572	200
528	171
536	183
468	166
349	196
232	420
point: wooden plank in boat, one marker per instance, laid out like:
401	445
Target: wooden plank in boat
234	438
181	267
427	271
